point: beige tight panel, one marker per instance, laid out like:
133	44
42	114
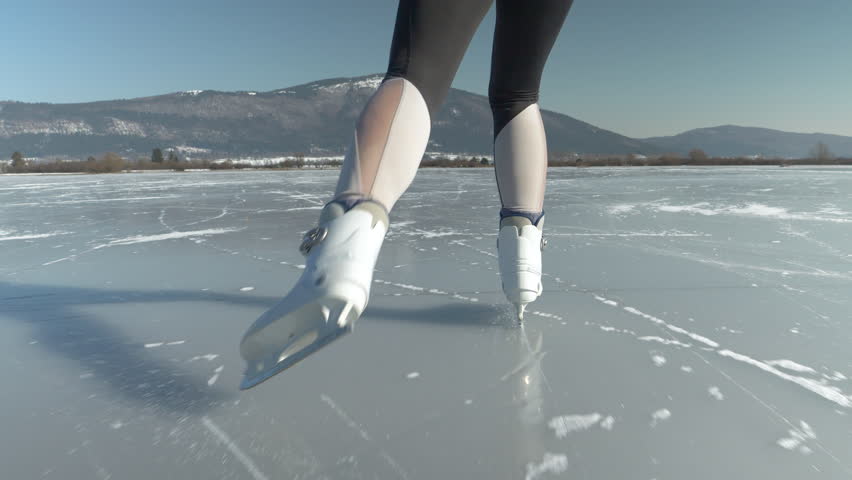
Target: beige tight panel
520	159
389	141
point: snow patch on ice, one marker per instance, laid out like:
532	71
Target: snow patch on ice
246	289
791	365
686	368
758	210
551	463
621	209
412	375
715	393
798	438
607	423
660	415
566	424
658	360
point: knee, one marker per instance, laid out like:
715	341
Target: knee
432	88
506	104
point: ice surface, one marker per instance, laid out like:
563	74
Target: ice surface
123	299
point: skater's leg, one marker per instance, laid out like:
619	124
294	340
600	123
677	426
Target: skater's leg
390	138
523	38
429	41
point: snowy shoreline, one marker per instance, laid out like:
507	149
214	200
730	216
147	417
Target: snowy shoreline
253	169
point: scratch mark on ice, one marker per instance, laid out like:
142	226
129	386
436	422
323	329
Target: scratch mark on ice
233	448
363	433
209	357
215	376
160	344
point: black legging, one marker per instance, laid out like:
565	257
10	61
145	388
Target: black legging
431	37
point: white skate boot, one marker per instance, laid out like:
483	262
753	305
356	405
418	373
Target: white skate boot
519	246
327	299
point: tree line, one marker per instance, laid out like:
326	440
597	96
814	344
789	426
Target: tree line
820	154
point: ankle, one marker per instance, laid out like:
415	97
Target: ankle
533	217
344	203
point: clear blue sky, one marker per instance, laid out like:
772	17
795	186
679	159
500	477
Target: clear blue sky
638	67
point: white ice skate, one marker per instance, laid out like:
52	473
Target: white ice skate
327	299
519	246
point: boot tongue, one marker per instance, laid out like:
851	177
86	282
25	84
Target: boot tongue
519	221
376	210
515	220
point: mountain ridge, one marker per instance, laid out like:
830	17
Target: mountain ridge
317	118
736	140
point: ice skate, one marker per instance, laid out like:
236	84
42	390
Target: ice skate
519	246
328	298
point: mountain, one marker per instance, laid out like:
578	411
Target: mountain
315	118
732	140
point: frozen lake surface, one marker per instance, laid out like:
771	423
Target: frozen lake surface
696	324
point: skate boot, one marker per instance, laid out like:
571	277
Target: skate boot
519	246
333	290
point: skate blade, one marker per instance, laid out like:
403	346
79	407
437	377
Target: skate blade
282	337
520	308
